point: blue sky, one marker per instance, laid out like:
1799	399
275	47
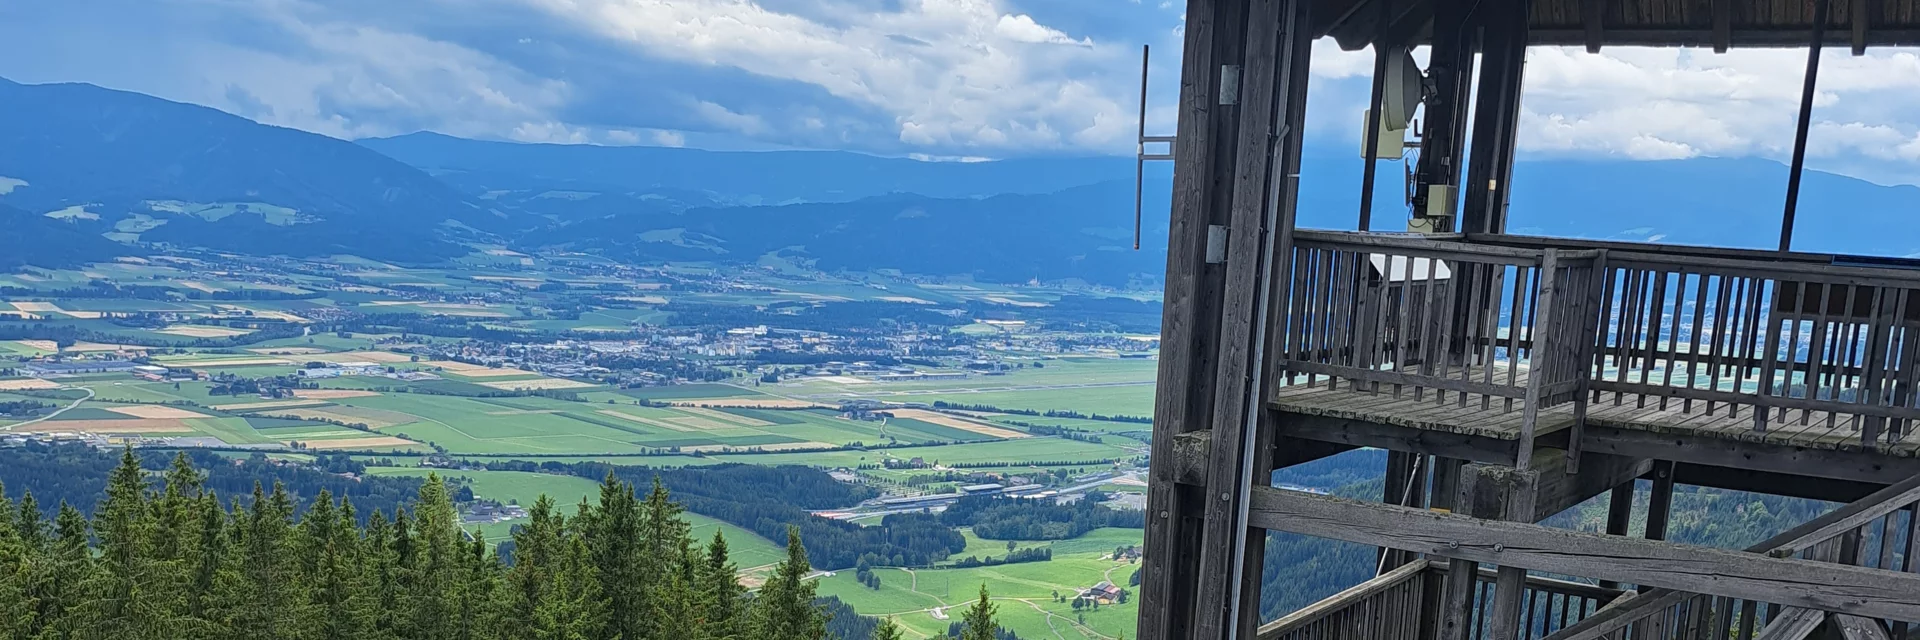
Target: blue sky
939	78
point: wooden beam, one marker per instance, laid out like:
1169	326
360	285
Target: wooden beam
1772	483
1790	582
1852	627
1619	516
1592	14
1859	12
1722	25
1192	453
1862	466
1498	493
1660	501
1560	490
1361	433
1793	623
1847	518
1271	27
1188	321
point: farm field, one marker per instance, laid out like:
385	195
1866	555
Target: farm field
1024	592
564	334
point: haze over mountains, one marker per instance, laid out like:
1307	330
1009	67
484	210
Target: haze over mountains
80	164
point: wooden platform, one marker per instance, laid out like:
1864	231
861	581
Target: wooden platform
1445	411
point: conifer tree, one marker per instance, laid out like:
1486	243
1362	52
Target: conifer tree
613	535
441	571
128	597
537	550
264	593
886	630
720	590
978	622
575	609
382	571
785	609
56	586
16	606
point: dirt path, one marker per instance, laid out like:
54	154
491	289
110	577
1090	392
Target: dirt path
56	413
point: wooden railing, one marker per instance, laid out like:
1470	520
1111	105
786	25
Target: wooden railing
1389	606
1429	320
1518	324
1788	343
1392	606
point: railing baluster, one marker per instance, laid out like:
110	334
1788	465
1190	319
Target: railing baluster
1722	297
1793	339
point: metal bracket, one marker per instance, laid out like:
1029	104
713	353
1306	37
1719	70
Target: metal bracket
1229	84
1216	244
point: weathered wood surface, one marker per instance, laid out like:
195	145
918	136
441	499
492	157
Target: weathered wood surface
1189	319
1353	595
1244	320
1818	530
1793	623
1359	403
1790	582
1847	518
1852	627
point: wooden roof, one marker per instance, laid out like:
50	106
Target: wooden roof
1720	24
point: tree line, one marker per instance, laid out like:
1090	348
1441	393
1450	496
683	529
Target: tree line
172	560
769	500
1004	518
77	474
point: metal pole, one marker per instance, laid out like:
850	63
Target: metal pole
1140	148
1806	121
1373	138
1374	117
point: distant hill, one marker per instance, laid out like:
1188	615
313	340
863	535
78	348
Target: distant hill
1082	233
221	181
37	240
741	177
134	167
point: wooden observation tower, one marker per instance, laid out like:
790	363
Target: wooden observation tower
1512	377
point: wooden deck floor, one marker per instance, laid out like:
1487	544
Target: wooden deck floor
1501	418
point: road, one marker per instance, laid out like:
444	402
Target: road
56	413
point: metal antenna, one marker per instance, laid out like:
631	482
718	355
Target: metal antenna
1140	155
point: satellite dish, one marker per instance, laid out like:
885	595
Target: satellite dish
1401	91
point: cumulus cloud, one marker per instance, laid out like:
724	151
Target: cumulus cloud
1022	28
951	74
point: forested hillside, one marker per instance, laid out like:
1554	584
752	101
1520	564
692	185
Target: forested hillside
169	559
769	500
77	474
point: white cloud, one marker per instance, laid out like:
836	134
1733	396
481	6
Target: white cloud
726	119
953	74
666	138
1670	103
1022	28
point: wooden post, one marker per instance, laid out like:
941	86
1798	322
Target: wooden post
1492	493
1496	118
1273	65
1189	320
1619	516
1660	503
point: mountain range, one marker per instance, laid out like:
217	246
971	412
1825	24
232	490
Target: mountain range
82	166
